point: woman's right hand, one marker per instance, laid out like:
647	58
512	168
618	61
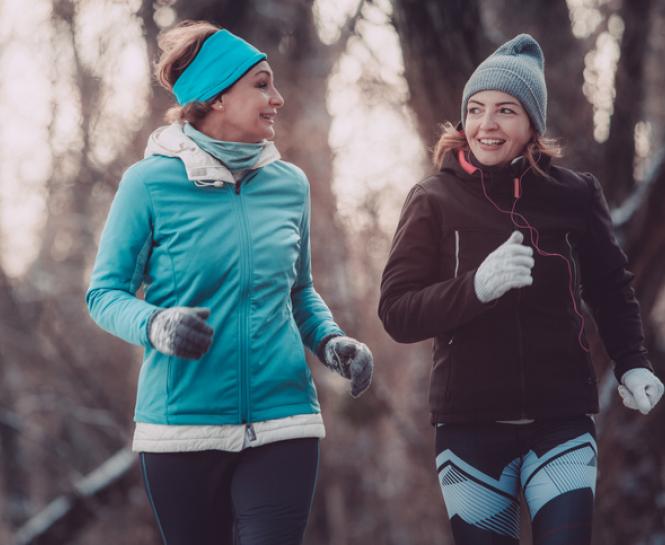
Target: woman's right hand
181	331
507	267
351	359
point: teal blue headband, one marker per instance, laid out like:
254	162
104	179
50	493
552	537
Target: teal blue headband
222	60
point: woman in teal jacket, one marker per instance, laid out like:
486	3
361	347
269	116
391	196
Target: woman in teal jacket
215	227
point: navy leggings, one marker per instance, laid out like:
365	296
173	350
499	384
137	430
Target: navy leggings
259	496
483	468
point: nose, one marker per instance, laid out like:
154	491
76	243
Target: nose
488	121
276	100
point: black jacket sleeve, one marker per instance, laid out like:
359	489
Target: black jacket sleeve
416	303
607	289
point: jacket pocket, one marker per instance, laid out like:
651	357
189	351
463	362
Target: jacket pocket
479	376
472	246
441	385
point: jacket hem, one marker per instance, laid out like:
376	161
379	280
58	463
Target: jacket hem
222	419
564	412
230	438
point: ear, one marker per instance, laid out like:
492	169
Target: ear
218	104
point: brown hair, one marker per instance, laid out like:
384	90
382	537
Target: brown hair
452	140
179	45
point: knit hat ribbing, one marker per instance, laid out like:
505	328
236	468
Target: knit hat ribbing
516	68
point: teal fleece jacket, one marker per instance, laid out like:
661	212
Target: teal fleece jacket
242	250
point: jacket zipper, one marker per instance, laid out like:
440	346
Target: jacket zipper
456	271
578	299
246	269
573	268
250	433
573	265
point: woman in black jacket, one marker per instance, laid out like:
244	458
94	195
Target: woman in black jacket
492	257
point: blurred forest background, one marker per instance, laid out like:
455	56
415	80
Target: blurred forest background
366	82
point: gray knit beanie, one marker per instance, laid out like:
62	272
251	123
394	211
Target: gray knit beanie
516	68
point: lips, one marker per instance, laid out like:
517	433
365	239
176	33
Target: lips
269	117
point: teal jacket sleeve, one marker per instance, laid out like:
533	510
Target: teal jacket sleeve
314	319
118	272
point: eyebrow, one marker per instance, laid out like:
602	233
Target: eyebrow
263	72
497	104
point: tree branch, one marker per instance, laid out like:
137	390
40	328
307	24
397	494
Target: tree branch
65	516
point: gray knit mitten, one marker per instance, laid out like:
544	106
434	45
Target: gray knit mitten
351	359
181	331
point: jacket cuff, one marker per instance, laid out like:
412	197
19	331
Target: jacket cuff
632	362
149	323
320	351
475	304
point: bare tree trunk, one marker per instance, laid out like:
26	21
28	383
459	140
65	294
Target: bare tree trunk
68	197
631	481
618	175
55	283
13	482
644	238
630	484
442	43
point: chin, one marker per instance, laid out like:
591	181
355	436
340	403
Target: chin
488	161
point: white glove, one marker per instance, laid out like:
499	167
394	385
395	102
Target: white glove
507	267
640	389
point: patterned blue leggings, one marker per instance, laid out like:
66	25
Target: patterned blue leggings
483	467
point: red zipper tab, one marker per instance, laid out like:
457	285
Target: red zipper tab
517	188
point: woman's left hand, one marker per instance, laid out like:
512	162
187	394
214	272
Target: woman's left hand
640	389
351	359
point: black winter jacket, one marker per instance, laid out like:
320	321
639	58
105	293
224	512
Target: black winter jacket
522	355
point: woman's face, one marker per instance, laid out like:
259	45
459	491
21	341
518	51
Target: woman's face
247	111
497	127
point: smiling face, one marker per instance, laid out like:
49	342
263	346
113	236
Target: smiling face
497	127
246	112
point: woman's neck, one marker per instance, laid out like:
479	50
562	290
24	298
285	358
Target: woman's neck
213	129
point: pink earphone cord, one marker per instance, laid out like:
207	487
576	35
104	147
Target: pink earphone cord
535	238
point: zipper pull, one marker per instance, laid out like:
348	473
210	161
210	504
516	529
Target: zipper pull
238	187
517	188
249	431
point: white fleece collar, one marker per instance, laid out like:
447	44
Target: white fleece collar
201	167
